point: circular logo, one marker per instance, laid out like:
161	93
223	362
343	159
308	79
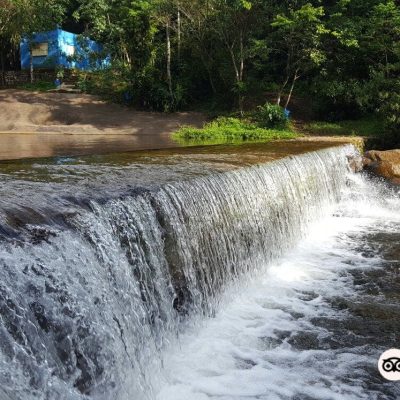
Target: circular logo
389	365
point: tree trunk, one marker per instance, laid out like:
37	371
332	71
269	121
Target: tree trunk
295	77
3	81
238	76
278	100
288	68
126	55
241	72
31	65
210	78
169	76
179	33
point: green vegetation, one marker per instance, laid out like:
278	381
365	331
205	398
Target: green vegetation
39	86
230	130
107	83
361	127
343	56
271	116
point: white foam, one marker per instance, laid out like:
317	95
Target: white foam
243	353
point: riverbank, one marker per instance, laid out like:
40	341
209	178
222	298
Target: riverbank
81	114
37	124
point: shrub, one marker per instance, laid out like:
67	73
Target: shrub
231	130
390	111
370	126
271	116
38	86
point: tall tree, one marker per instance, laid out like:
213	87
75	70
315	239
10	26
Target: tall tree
298	37
24	18
232	25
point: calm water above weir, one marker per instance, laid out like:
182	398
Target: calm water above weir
197	274
30	145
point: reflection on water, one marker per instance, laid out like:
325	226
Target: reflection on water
15	146
121	151
31	145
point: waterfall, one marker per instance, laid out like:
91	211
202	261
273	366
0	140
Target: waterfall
86	312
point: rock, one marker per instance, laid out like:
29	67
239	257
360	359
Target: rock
384	163
366	162
356	162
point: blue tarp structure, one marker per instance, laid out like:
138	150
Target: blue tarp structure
60	48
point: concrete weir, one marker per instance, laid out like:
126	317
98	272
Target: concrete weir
108	261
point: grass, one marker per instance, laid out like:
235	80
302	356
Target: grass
360	127
230	130
39	86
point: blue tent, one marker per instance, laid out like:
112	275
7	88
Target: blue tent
61	48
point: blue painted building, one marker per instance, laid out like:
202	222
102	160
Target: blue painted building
60	48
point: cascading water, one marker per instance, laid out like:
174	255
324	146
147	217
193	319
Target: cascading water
91	308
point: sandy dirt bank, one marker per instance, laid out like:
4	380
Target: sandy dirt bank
32	112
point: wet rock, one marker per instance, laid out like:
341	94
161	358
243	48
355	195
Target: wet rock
243	363
355	162
384	163
304	341
39	234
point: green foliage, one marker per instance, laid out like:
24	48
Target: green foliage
39	86
271	116
226	129
299	35
343	56
390	112
109	83
362	81
360	127
60	72
24	17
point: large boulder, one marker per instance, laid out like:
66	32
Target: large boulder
384	163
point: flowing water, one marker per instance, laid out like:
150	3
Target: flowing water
197	278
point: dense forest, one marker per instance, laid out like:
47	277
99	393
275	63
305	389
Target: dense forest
343	56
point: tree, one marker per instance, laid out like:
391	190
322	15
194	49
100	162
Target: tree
232	25
298	37
23	18
196	16
8	27
382	42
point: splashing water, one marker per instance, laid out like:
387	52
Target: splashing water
181	291
295	332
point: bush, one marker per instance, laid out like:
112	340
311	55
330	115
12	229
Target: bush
370	126
390	112
38	86
119	85
109	83
271	116
225	129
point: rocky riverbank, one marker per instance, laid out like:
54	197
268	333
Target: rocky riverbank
385	164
